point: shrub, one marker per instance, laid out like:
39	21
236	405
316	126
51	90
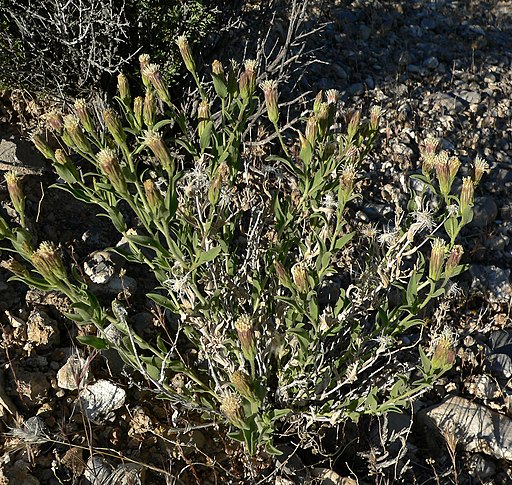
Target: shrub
66	48
285	313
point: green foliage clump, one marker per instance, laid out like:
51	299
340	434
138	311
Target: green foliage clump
286	314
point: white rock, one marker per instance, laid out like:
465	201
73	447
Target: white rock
73	374
98	471
476	428
100	399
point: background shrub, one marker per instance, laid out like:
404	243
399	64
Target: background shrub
286	314
69	48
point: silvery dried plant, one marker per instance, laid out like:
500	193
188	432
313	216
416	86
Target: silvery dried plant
286	314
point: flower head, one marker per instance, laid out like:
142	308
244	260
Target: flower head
480	167
82	112
138	109
437	256
219	79
300	277
114	126
155	142
15	192
110	167
48	262
43	147
186	53
152	72
244	327
74	136
124	89
231	407
269	88
242	383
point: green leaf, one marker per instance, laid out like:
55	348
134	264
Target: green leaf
412	288
272	450
313	309
451	226
279	414
163	301
148	242
93	341
343	240
207	256
162	123
153	372
204	142
426	364
302	335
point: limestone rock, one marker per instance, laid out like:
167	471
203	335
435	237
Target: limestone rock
476	428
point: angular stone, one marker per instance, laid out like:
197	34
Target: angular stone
101	399
20	157
476	428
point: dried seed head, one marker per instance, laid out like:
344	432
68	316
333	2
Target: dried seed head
114	126
311	130
444	350
82	112
153	195
466	194
300	277
110	167
375	115
138	109
442	167
43	147
149	110
61	158
15	267
245	330
333	96
480	167
124	89
47	261
269	88
15	193
453	166
282	274
55	121
242	383
318	102
186	53
152	72
430	145
219	79
144	61
231	406
323	116
436	259
453	260
203	115
159	148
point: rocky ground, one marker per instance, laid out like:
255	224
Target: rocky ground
435	67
